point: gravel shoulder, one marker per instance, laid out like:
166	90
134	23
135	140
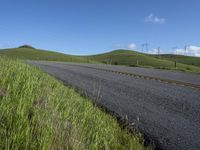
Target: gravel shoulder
165	113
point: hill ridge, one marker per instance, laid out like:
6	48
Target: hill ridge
114	57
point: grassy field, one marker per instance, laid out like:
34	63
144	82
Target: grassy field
117	57
132	58
36	54
39	112
189	60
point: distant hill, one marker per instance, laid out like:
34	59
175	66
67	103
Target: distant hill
133	58
189	60
116	57
29	53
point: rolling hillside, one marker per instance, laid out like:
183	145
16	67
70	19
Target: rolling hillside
27	52
132	58
189	60
116	57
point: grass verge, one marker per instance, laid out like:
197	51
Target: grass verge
39	112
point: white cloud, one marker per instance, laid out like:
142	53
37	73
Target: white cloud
179	51
190	51
156	51
154	19
153	51
132	46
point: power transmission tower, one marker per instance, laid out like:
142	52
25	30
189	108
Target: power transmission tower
145	46
174	49
158	52
142	47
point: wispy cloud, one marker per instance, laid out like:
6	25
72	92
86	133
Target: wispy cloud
154	19
132	46
190	51
153	51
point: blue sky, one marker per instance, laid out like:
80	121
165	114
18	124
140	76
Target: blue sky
96	26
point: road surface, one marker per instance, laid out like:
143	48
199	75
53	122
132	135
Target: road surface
163	105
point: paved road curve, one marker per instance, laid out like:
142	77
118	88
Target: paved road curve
165	112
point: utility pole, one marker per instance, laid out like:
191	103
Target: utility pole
185	49
174	49
111	59
158	51
137	58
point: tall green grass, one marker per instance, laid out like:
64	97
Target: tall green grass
39	112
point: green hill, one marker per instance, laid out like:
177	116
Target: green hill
189	60
132	58
116	57
26	52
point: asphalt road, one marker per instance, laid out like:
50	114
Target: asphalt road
165	112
